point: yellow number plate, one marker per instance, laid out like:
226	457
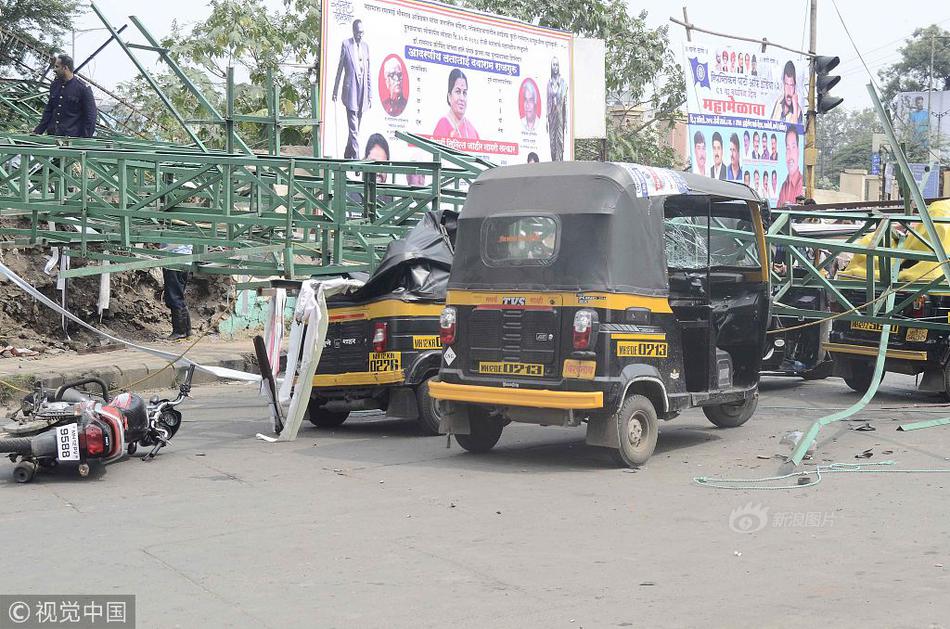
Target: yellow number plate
385	361
426	342
580	369
511	369
647	349
916	335
868	326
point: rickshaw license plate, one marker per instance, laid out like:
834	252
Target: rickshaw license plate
580	369
649	349
868	326
385	361
511	369
916	335
426	342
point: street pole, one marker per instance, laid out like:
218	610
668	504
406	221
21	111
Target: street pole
930	91
811	118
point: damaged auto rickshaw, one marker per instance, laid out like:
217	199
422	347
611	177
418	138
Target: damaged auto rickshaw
611	294
382	345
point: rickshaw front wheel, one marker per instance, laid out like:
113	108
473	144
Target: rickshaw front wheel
732	415
485	430
637	431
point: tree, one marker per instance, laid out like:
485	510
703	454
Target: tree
40	23
642	71
912	72
844	140
259	44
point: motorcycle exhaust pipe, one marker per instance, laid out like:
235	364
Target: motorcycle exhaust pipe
17	445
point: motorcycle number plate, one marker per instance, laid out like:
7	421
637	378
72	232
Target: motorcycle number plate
67	443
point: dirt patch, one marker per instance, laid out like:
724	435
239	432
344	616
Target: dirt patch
136	311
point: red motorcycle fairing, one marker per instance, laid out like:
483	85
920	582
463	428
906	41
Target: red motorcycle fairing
116	420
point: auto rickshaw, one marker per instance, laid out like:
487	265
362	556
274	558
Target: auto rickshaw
605	293
911	349
382	345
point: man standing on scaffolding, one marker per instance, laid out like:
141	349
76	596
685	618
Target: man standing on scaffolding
71	109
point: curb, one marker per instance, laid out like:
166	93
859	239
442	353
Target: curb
143	376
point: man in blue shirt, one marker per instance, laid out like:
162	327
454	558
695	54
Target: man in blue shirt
71	110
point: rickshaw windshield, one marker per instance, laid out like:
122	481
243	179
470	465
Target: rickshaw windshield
522	240
700	233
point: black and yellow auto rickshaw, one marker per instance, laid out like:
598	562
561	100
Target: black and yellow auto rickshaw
382	345
611	294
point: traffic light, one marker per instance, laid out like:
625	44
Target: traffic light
824	82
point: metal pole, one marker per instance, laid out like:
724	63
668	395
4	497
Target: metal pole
811	116
229	118
930	90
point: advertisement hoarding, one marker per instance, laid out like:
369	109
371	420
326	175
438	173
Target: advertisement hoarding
746	113
491	86
918	120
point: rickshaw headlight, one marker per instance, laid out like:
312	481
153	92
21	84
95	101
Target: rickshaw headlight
447	325
583	328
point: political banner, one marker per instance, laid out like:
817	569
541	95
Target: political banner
746	115
918	121
491	86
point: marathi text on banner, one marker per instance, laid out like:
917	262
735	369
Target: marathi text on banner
746	117
487	85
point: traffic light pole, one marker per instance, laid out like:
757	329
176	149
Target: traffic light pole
811	120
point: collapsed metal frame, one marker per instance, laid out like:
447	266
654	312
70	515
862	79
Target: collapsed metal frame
294	216
115	198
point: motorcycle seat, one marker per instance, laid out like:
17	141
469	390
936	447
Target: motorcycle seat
133	407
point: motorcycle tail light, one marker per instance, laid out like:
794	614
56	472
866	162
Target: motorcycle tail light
380	336
95	441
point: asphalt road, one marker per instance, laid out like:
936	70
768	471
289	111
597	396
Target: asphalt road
372	525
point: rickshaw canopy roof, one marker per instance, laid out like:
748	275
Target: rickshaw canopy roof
587	188
610	224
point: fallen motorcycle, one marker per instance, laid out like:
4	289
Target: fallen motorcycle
71	427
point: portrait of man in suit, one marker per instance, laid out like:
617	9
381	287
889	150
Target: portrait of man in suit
395	76
357	89
718	169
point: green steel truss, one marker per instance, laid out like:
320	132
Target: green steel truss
116	201
863	297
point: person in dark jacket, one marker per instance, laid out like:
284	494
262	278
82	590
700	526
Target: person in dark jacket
71	109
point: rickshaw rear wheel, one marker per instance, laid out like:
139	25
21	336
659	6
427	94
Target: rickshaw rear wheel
323	418
429	416
861	376
485	430
732	415
637	428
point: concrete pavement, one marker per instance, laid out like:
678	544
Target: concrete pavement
373	525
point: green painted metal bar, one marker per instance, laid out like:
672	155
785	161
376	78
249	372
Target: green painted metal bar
924	424
148	77
178	259
918	198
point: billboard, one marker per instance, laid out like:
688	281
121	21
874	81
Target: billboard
494	87
746	114
918	119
